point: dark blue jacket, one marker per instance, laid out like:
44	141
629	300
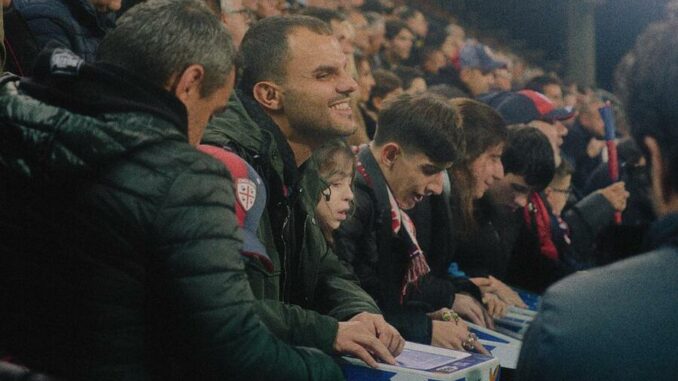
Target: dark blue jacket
73	23
614	323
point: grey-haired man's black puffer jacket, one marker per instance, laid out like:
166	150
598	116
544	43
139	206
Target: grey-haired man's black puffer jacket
119	248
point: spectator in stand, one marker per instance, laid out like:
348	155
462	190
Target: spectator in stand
585	218
359	99
120	251
268	8
336	167
528	167
78	25
415	20
502	79
236	18
585	142
413	79
418	24
293	97
387	86
477	68
549	85
634	172
567	341
376	34
361	39
456	44
341	28
397	45
442	220
417	139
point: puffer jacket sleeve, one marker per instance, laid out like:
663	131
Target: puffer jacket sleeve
209	306
339	290
586	219
298	326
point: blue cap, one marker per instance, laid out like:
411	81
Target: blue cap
479	56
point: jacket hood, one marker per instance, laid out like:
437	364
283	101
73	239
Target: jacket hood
73	118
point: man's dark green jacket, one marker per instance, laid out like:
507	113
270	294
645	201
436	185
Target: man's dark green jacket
119	248
308	290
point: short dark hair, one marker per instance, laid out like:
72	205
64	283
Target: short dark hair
393	27
407	75
264	50
539	82
421	123
446	91
405	13
529	154
647	81
385	81
327	15
160	38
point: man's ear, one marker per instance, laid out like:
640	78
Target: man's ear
390	152
188	83
377	102
269	95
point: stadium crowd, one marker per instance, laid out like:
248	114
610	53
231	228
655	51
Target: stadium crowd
249	189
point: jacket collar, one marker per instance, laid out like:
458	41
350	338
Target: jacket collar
291	174
377	181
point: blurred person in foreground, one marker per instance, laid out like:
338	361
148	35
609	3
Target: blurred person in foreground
120	255
604	324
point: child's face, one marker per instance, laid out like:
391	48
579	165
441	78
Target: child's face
557	193
335	202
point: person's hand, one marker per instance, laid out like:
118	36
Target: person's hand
495	306
594	147
386	333
454	335
616	195
499	288
472	310
357	338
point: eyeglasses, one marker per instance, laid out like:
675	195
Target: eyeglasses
245	12
564	191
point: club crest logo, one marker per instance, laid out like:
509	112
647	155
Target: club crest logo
246	192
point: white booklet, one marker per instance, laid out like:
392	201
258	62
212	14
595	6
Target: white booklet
424	362
515	323
503	347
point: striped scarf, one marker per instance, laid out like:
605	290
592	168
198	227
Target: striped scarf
402	226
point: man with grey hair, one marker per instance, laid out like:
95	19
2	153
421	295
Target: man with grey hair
120	249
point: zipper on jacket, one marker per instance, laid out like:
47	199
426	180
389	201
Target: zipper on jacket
284	236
